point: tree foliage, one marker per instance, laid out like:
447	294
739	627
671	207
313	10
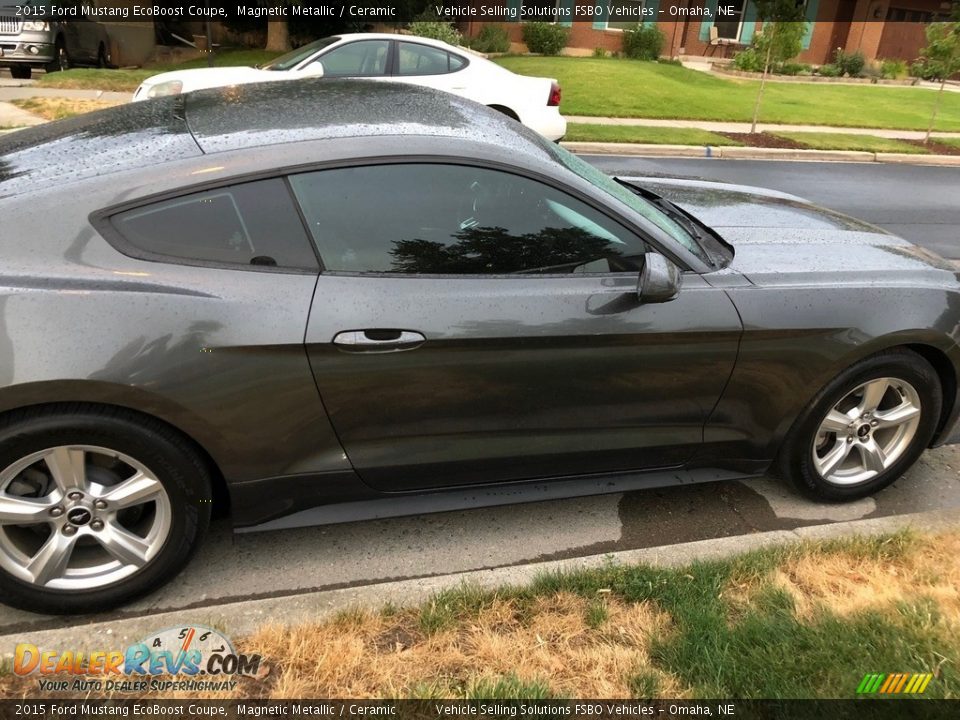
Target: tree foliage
783	29
941	59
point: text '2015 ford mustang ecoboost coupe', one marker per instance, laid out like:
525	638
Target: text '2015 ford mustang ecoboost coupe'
395	301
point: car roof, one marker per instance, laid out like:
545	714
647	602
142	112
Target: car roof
243	117
395	36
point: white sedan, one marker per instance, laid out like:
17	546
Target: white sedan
399	58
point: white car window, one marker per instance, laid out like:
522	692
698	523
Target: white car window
416	59
364	58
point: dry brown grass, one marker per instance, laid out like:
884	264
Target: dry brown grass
366	655
369	655
59	108
846	583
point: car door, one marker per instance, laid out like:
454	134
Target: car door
473	325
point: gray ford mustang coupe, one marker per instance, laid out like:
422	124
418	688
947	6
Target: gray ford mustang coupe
320	301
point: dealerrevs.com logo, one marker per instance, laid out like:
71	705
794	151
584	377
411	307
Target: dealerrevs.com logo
203	655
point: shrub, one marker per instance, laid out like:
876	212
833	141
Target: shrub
849	63
599	52
748	61
545	38
893	69
436	30
829	70
670	61
643	42
789	68
491	39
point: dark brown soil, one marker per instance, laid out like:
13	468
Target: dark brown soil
765	140
935	147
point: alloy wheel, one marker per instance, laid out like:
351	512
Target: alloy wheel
868	431
80	517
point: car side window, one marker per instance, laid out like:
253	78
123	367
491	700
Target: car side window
417	59
457	220
356	59
254	225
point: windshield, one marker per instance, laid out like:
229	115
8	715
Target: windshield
295	57
649	211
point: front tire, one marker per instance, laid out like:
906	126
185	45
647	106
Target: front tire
865	429
21	72
97	507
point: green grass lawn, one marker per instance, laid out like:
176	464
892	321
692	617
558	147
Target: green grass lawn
586	132
842	141
128	80
631	88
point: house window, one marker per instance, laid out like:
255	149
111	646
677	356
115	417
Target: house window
539	10
625	14
729	25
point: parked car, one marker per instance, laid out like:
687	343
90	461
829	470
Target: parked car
322	301
28	43
535	102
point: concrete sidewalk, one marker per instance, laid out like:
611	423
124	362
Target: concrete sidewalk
246	616
19	93
12	116
737	127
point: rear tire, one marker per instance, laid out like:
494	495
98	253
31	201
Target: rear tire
65	467
505	111
865	428
21	72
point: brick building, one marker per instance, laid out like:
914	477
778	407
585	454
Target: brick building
880	28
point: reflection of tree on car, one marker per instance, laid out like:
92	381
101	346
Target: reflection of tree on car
495	250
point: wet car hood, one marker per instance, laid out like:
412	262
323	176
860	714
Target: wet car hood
780	239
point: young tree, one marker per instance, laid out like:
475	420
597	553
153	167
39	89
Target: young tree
782	19
941	58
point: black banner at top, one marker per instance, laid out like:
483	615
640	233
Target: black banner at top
399	11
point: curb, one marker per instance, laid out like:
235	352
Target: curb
244	617
752	153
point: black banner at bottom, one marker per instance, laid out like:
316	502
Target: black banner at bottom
256	709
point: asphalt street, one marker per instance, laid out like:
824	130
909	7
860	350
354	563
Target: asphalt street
921	203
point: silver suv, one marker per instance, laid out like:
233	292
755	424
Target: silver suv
32	42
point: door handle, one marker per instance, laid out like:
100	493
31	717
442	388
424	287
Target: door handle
378	340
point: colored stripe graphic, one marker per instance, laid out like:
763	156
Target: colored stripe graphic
894	683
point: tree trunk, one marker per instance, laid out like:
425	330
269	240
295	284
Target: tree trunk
278	36
936	109
763	82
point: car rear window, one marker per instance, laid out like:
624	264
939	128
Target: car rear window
252	225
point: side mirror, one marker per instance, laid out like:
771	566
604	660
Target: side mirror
314	69
659	280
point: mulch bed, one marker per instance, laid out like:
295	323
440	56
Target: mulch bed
935	147
768	140
765	140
